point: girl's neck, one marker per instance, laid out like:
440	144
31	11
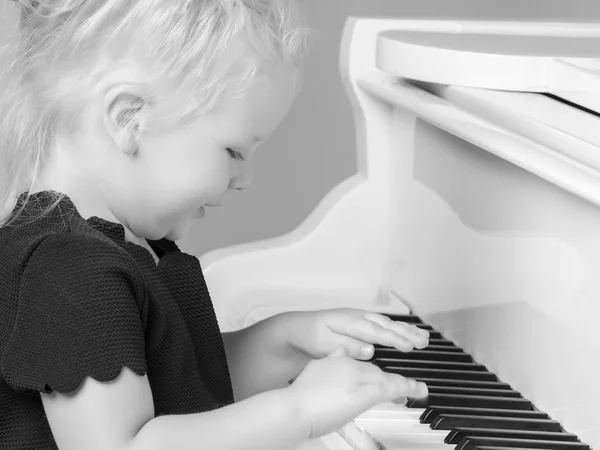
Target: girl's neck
130	237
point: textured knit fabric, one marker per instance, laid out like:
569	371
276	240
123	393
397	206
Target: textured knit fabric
76	300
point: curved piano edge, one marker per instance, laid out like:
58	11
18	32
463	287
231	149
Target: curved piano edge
333	259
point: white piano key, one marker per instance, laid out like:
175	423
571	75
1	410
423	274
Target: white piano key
389	428
358	438
391	412
410	442
394	410
399	425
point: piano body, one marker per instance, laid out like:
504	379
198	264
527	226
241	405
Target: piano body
476	207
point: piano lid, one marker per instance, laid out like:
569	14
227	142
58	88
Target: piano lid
565	66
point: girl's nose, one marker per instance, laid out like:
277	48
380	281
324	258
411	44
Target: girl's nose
241	182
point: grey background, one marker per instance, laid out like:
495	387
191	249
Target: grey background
313	149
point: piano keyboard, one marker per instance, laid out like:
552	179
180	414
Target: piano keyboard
468	407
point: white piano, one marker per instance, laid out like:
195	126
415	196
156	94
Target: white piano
476	207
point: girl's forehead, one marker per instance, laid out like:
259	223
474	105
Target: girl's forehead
268	101
269	96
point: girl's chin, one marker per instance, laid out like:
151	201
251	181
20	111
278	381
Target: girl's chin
180	230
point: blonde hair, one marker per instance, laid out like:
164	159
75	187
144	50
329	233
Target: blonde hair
67	48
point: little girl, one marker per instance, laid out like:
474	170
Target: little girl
121	121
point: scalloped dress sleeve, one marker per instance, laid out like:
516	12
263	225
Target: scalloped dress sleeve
79	314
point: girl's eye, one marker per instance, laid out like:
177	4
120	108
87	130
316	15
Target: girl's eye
235	155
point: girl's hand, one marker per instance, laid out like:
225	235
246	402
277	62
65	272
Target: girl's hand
332	391
318	333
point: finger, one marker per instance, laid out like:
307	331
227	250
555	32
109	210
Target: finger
416	336
389	387
415	389
370	332
399	386
375	333
358	349
408	333
405	329
400	400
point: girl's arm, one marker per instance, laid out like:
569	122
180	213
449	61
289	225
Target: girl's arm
119	415
267	421
261	357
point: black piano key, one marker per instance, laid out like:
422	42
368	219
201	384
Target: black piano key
432	412
450	421
465	383
445	342
471	391
471	443
437	373
442	348
442	365
404	318
485	447
423	355
435	335
472	401
457	434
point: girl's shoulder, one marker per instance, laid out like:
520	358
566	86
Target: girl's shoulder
63	234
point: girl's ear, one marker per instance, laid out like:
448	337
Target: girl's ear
124	117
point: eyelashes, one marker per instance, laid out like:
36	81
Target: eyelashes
235	155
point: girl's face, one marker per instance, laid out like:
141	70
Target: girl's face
162	189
